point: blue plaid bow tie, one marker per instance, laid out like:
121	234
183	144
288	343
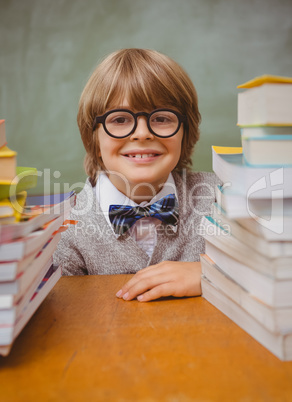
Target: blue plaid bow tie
123	217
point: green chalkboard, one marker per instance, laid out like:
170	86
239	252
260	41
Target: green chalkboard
50	47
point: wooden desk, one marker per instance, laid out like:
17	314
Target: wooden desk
84	344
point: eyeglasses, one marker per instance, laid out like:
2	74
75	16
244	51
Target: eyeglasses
120	123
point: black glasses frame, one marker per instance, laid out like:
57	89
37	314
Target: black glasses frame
101	120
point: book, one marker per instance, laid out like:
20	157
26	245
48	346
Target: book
3	141
253	233
27	245
266	104
9	301
26	178
38	215
272	291
40	292
9	270
265	79
7	164
267	247
271	150
252	182
274	319
6	208
19	285
284	224
262	209
277	343
11	312
13	208
7	220
265	131
220	237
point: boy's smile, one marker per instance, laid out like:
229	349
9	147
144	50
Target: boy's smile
140	164
142	155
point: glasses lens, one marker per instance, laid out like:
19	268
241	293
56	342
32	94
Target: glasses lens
164	123
119	123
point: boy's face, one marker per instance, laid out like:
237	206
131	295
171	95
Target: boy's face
139	178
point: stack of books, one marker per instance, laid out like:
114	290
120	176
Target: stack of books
247	268
29	232
14	182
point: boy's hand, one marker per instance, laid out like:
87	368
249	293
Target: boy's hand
168	278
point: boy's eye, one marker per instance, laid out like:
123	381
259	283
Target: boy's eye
164	118
160	119
119	119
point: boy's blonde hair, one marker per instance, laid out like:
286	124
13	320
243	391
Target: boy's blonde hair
149	80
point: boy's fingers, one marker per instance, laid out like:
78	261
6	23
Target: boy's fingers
142	286
140	276
163	290
127	286
163	279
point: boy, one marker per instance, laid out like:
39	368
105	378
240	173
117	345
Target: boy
140	207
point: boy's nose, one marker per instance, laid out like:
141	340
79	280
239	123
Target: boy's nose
142	131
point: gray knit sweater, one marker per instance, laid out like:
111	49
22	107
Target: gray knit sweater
91	247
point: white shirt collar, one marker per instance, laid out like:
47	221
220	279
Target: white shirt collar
107	194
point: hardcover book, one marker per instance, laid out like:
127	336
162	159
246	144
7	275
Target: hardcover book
7	164
249	181
266	101
269	150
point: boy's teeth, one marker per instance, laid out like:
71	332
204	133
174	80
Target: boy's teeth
141	156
